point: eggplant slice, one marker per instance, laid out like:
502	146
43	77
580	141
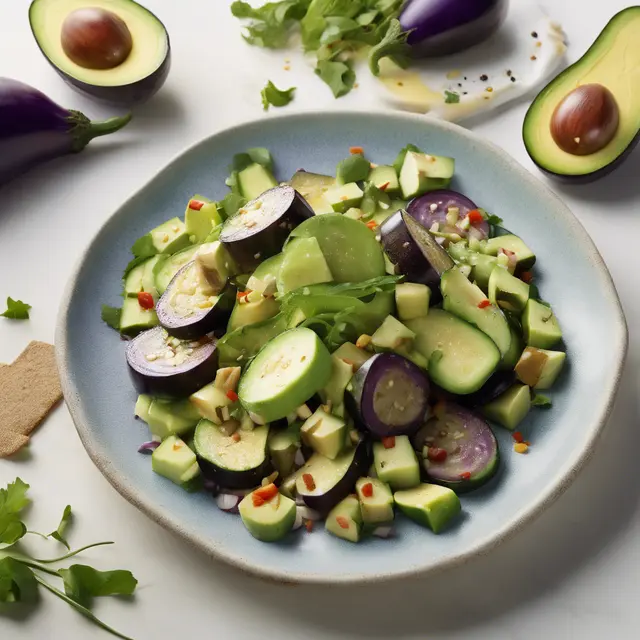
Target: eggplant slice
471	456
161	365
389	396
495	386
186	313
260	228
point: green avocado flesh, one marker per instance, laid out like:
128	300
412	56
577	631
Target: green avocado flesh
270	521
150	40
612	61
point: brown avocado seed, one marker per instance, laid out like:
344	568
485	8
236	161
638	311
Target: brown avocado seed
95	38
586	120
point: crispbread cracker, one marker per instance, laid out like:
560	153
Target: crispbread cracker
29	389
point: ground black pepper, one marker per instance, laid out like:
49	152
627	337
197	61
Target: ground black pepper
484	77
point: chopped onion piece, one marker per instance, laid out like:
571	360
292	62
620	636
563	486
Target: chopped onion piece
297	523
228	502
385	531
148	447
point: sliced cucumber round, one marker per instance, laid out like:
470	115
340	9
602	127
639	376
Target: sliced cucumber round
287	371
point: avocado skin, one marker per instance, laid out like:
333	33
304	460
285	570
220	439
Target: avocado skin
124	95
605	170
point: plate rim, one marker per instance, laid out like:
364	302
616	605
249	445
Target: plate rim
564	477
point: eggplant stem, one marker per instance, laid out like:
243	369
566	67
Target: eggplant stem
83	131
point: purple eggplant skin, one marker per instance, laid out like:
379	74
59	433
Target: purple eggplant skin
227	479
269	219
384	379
441	27
495	386
168	381
34	129
202	321
473	456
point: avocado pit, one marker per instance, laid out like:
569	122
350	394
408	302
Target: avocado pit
94	38
586	120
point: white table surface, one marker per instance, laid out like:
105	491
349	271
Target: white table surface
572	573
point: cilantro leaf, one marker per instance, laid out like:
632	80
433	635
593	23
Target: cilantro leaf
241	161
13	500
451	97
82	583
111	315
398	162
339	76
490	218
540	400
17	582
393	44
231	203
272	96
271	22
143	247
16	310
58	534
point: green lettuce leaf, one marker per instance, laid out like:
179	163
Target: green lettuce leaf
16	310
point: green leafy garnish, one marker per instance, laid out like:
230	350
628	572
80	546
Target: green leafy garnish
270	26
144	247
58	534
490	218
272	96
339	76
540	400
21	574
111	315
393	44
133	264
16	310
451	97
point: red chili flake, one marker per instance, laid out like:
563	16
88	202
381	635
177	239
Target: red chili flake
309	482
145	300
232	395
526	276
389	442
484	304
517	436
436	454
356	150
475	217
257	500
196	205
372	224
384	186
267	492
343	522
465	476
308	525
243	294
236	437
367	490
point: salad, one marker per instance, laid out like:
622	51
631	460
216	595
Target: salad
335	348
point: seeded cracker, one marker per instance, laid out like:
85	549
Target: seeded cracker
29	389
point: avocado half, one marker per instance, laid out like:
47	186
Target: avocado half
586	121
113	50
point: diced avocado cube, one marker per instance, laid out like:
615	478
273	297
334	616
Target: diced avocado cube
288	486
524	256
246	313
344	197
143	403
412	300
539	368
313	187
135	319
166	418
200	217
271	520
393	335
352	169
397	466
133	280
430	505
345	520
507	291
341	374
283	446
355	213
385	175
510	408
254	180
540	326
376	500
422	172
511	357
170	236
482	267
214	266
174	460
352	355
210	401
148	276
324	433
303	264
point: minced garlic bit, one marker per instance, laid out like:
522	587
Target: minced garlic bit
363	341
165	237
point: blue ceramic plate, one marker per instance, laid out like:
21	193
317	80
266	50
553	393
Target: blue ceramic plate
571	274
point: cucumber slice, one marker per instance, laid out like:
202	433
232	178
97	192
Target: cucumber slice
461	358
287	371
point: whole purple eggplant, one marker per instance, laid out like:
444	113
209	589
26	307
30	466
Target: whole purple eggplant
441	27
34	129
